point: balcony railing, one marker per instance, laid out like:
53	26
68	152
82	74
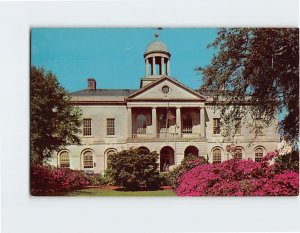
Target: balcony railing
140	131
138	135
190	135
166	136
187	130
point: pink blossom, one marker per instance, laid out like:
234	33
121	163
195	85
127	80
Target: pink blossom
239	178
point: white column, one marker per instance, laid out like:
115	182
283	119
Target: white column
162	65
147	67
154	129
153	66
168	68
178	121
129	122
202	122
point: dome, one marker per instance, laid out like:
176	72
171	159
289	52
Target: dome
157	46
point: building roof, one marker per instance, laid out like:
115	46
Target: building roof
156	46
104	92
116	95
121	92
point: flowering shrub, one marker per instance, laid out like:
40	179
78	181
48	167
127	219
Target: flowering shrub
233	150
239	178
47	180
186	165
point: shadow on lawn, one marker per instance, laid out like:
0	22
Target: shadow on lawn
114	191
122	189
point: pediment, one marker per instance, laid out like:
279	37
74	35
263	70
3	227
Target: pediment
177	92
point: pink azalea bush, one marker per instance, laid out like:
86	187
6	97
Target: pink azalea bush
239	178
47	179
186	165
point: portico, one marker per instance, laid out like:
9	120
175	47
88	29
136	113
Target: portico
166	121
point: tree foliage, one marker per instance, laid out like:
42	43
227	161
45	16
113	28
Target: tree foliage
288	161
256	71
55	122
134	169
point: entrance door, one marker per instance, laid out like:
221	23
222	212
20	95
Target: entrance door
166	158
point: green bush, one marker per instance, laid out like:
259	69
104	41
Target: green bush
164	179
288	161
134	169
98	180
187	164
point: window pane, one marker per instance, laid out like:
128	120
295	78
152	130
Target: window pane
87	127
259	125
110	126
216	126
88	160
238	126
64	159
217	156
258	154
239	153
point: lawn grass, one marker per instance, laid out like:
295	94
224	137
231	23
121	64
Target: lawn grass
106	192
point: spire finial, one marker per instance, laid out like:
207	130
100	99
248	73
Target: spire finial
156	35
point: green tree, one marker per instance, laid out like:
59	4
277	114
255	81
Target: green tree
288	161
256	72
134	169
55	122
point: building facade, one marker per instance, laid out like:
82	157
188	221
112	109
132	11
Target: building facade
163	115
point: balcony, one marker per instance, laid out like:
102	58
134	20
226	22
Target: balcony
166	136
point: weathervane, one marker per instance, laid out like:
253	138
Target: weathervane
156	33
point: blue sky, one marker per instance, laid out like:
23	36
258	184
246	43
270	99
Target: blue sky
114	56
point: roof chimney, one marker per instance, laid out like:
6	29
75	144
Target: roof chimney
92	84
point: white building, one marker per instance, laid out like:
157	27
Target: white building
163	115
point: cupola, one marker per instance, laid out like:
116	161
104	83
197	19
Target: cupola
157	61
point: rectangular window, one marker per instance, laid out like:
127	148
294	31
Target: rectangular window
216	126
238	126
87	127
110	126
259	126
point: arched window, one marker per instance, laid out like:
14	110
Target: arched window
143	150
239	153
259	153
88	159
107	154
187	123
217	156
64	159
141	124
191	151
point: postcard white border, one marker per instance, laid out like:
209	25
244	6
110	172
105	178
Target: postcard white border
22	213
